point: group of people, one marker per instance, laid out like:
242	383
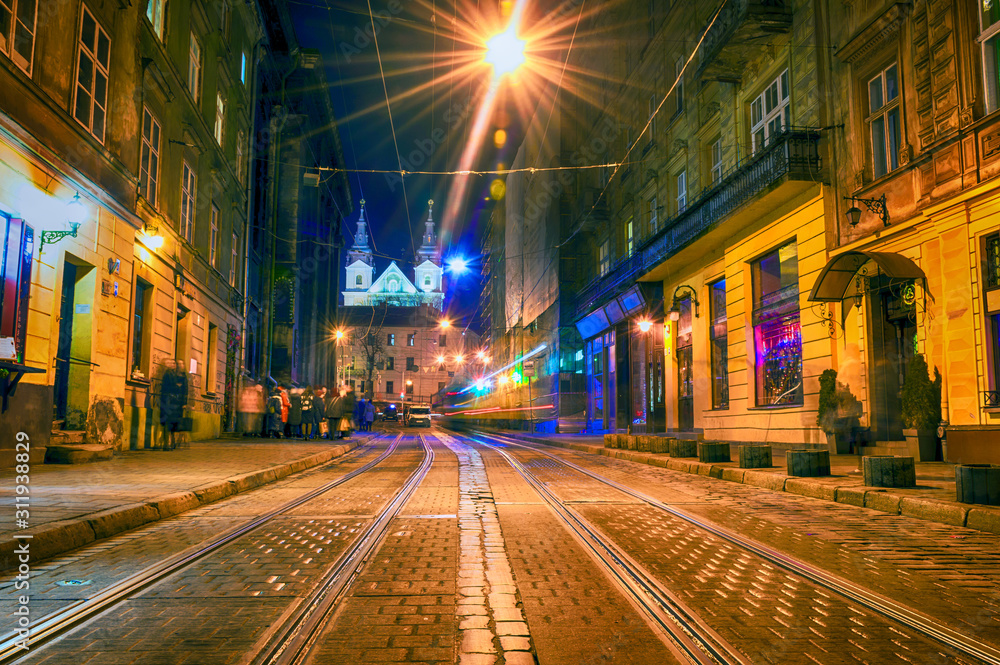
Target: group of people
305	413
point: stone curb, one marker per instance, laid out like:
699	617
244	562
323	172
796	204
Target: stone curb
980	518
55	538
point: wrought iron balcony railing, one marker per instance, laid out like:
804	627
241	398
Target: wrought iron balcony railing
991	399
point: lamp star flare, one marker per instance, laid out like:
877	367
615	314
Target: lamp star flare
505	52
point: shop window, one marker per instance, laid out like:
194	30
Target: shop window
149	158
884	120
211	358
17	31
90	107
991	295
194	67
769	112
141	329
777	330
15	280
719	335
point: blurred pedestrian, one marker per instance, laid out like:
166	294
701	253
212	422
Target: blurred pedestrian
359	414
319	413
350	401
285	406
295	412
274	424
334	414
251	413
173	399
307	416
369	415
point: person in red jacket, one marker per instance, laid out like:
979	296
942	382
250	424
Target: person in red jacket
286	404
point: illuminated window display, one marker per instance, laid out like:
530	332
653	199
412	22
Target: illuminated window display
777	329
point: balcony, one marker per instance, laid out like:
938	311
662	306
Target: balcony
741	33
792	155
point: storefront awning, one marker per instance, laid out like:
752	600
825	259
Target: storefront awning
836	276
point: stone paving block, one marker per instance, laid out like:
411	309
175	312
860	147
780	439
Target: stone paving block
984	519
935	511
174	504
514	643
733	475
477	641
518	658
811	488
852	496
476	659
518	628
122	518
765	479
884	501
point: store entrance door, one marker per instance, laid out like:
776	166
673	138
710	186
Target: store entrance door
893	329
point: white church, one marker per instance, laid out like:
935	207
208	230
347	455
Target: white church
393	287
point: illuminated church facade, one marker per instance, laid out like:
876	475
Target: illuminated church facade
393	287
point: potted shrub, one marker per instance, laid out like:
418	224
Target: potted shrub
838	414
921	409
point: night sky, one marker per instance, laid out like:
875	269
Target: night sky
431	112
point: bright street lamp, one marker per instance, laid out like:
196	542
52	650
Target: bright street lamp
440	360
460	358
445	324
505	52
645	325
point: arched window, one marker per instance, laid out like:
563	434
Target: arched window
358	280
393	286
427	281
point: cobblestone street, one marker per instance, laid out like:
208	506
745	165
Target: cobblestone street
441	548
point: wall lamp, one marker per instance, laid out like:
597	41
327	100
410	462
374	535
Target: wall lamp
675	307
876	206
76	214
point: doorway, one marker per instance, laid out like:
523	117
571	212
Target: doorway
685	368
71	389
893	327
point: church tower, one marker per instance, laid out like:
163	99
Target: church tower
360	265
428	272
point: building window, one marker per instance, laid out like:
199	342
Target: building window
427	281
243	68
17	249
652	119
241	170
220	118
720	345
884	120
390	363
149	159
679	89
194	67
391	340
989	39
717	161
442	341
17	31
393	286
769	112
389	387
410	366
154	12
358	280
777	332
629	237
409	388
234	260
90	108
440	386
141	329
224	18
682	191
411	339
213	244
652	223
187	202
605	257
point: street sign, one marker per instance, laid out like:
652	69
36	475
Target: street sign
529	367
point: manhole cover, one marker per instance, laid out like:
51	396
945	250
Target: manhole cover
73	582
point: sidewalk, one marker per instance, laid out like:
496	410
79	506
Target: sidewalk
73	505
932	499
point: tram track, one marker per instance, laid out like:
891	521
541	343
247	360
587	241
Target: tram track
684	630
65	620
882	606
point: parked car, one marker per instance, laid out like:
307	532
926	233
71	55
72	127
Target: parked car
419	416
391	413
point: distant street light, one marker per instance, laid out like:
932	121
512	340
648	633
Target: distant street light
457	266
445	324
645	325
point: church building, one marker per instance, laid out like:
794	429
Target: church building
393	287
